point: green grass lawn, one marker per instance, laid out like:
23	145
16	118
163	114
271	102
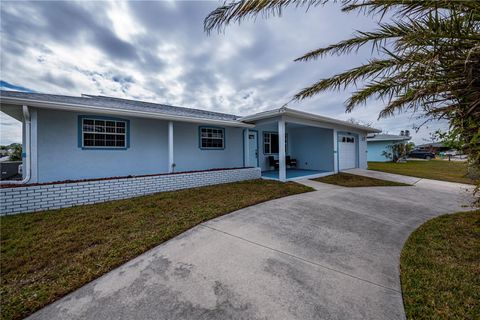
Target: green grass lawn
48	254
353	180
440	268
453	171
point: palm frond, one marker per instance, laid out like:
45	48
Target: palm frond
240	10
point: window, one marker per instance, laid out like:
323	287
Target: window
103	133
348	139
270	142
212	138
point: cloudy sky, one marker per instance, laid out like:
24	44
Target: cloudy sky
158	51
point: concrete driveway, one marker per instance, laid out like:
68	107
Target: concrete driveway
328	254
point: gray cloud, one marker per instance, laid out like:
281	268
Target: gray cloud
158	51
58	80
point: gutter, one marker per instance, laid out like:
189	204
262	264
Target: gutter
28	157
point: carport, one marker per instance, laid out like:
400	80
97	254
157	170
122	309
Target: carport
291	145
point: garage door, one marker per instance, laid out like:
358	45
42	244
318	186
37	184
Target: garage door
347	152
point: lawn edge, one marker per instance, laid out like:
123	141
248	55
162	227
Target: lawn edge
405	175
394	183
471	210
308	189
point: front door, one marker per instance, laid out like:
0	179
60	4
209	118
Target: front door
253	148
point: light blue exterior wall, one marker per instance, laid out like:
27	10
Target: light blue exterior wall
60	158
375	149
262	157
188	155
313	148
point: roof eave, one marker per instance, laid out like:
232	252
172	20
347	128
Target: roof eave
114	111
391	139
306	115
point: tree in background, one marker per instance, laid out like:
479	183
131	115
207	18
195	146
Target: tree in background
398	151
361	122
15	152
449	139
409	147
428	58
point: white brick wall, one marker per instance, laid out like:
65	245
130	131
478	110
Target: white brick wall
55	196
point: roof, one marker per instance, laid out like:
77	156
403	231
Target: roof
96	103
305	115
431	145
387	137
126	107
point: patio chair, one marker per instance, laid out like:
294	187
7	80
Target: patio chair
273	163
291	162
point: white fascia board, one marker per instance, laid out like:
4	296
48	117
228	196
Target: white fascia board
262	115
113	111
347	124
388	139
307	116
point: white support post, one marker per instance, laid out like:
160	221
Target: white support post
170	147
246	148
282	171
335	151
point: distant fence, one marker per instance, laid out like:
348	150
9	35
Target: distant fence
61	195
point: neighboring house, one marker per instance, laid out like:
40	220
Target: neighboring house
99	137
379	143
434	147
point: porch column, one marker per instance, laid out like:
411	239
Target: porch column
282	171
170	146
246	148
335	151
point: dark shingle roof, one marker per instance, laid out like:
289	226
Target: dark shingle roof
431	145
121	104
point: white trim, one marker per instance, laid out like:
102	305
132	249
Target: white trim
170	147
27	165
124	134
305	115
115	111
335	151
222	130
266	132
282	169
388	139
246	148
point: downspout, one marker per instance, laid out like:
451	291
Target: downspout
28	158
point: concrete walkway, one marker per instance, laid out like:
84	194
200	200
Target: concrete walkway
328	254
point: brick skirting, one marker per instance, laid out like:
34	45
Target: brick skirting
62	195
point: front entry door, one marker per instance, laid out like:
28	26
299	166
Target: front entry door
253	148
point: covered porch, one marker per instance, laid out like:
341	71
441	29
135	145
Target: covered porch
288	149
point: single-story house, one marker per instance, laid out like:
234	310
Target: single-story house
378	143
137	147
88	137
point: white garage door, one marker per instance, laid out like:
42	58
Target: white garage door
347	152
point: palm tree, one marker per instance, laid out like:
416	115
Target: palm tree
428	58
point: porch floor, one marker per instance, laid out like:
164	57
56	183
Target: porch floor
292	173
